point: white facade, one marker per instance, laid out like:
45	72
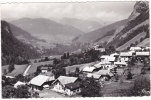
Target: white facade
58	87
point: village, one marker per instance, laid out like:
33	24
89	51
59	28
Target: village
112	72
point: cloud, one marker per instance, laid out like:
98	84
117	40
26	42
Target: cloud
109	11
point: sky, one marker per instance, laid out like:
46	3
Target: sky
106	11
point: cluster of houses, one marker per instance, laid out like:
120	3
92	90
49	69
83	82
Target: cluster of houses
71	85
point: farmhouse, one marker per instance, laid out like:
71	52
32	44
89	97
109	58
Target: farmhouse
107	58
40	80
142	54
124	56
72	88
89	69
135	49
64	84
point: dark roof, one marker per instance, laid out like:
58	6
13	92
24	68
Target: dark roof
73	86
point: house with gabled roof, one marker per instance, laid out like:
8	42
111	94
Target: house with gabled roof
72	88
89	69
39	81
66	85
144	53
124	56
107	58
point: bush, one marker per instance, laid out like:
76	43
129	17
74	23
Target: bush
129	75
140	84
90	88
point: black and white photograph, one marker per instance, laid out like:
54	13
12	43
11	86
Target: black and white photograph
75	49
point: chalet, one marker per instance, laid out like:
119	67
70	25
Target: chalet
142	54
66	85
107	58
135	49
19	83
124	56
73	88
88	69
39	81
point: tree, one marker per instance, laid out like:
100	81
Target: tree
136	42
55	61
116	77
8	92
141	39
67	55
129	75
46	59
140	84
11	68
59	72
20	77
90	88
22	92
38	71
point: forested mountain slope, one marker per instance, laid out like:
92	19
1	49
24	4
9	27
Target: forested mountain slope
13	50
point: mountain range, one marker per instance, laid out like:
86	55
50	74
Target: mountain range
48	30
83	25
24	36
125	33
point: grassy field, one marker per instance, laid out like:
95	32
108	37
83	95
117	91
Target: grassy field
114	89
19	69
47	93
34	66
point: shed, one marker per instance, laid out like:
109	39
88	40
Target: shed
18	84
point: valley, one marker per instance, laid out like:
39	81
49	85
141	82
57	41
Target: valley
45	57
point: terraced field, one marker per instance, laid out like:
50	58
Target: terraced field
19	69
